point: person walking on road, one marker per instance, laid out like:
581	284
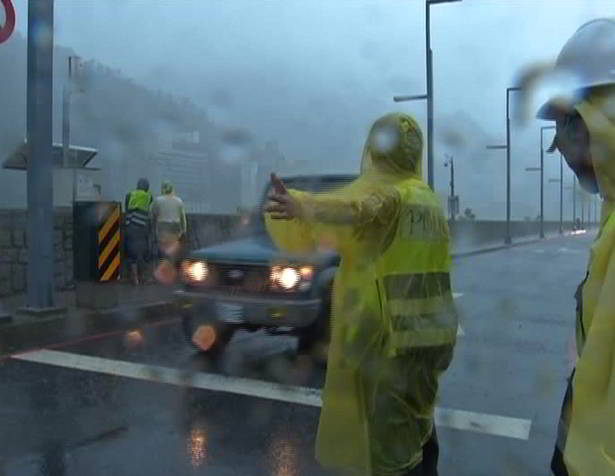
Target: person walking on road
169	219
585	135
137	237
394	324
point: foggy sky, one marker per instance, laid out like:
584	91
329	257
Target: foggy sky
313	74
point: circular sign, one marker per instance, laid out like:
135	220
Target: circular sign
9	24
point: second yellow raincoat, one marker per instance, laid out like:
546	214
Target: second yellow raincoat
590	443
393	320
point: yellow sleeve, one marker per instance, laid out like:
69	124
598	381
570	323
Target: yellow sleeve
590	448
336	220
292	236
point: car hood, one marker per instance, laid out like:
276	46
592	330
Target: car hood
257	250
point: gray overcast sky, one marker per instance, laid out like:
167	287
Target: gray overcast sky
313	74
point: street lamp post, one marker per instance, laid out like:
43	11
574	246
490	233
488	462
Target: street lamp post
560	180
541	169
67	92
574	201
429	95
508	238
453	201
508	90
561	194
542	181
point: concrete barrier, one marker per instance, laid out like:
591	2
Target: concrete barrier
471	234
203	230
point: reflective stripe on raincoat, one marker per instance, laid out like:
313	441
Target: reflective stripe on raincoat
393	321
590	443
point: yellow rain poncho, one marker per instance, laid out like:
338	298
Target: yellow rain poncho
393	320
590	445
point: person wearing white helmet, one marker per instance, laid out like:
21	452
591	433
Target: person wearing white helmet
585	135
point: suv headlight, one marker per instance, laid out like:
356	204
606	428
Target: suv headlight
194	271
290	277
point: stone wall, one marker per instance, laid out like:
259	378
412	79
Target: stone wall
203	230
14	250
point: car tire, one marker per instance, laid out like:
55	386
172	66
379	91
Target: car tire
224	333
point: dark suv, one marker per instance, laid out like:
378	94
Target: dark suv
250	284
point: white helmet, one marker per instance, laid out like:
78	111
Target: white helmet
588	57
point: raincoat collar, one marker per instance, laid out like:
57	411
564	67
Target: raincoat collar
598	113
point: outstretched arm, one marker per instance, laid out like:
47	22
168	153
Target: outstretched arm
330	219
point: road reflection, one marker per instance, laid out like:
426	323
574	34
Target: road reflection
197	446
283	457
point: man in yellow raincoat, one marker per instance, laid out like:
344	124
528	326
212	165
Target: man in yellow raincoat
585	135
394	324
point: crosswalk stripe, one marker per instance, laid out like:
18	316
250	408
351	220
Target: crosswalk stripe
497	425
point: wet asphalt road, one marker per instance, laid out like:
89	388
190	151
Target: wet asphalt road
511	361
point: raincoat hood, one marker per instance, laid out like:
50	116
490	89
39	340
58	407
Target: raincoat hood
394	146
143	184
598	113
167	188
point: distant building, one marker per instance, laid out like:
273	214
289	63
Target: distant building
206	184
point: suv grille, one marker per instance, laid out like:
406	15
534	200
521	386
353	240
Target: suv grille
239	278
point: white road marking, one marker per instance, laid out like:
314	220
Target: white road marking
497	425
460	331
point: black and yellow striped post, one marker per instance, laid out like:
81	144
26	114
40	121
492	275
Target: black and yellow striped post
97	253
109	242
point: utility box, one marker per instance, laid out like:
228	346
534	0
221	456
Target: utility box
96	253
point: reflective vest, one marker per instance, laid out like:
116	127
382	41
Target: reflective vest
139	203
414	275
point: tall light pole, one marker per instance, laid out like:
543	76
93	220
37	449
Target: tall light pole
583	210
561	193
40	282
574	201
508	238
541	169
508	90
67	92
542	180
429	95
453	200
